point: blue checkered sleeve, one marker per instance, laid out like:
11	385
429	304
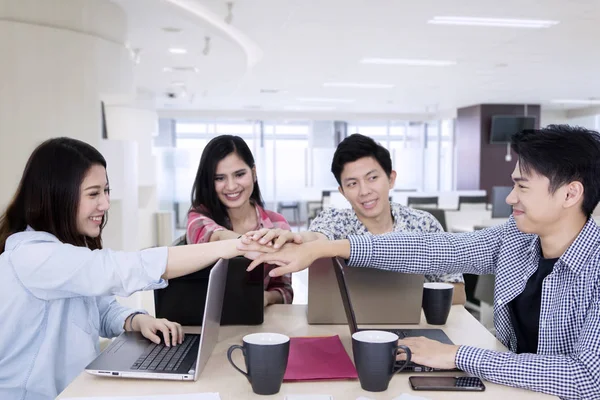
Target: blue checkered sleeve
573	376
567	363
431	253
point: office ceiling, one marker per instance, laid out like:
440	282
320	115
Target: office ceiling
276	55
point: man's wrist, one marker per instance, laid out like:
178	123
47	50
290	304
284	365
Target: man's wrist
338	248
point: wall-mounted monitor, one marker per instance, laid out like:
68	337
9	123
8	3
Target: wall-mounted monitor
504	126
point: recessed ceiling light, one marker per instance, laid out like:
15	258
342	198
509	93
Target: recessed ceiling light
495	22
405	61
577	101
178	83
181	69
270	91
357	85
308	108
177	50
325	100
171	29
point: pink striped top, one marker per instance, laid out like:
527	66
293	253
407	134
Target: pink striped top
200	228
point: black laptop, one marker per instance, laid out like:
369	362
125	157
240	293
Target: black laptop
434	334
243	302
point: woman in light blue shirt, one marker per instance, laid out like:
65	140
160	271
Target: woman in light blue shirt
58	284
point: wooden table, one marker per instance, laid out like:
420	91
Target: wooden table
219	376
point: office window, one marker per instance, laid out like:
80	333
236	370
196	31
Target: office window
184	128
431	158
398	129
288	129
375	129
446	156
291	171
239	129
285	159
407	156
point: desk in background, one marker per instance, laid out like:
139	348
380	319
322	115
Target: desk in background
219	376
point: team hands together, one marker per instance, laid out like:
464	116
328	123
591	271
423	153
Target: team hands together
277	247
288	250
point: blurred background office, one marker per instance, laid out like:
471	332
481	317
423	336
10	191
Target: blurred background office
149	82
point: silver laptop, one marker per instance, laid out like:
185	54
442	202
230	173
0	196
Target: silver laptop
132	356
379	297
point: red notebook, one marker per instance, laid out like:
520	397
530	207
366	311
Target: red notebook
317	358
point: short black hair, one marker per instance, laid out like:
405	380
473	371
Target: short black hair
358	146
563	154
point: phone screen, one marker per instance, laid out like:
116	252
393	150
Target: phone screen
468	383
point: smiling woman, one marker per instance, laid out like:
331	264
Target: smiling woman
58	283
227	203
94	201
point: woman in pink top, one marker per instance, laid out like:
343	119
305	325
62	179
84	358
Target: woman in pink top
226	203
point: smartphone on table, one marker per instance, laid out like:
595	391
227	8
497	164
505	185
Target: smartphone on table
453	383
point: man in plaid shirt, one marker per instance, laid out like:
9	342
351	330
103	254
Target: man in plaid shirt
546	259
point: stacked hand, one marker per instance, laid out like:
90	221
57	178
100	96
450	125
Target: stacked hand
278	247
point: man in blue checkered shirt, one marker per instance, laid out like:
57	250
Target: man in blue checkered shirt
546	259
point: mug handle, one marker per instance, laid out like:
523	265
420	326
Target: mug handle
230	351
397	367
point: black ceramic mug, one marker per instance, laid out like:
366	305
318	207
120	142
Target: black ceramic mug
375	358
437	301
266	356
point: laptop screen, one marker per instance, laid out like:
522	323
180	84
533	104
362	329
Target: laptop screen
338	266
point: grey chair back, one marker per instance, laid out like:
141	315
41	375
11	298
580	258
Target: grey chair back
429	202
499	207
438	214
472	200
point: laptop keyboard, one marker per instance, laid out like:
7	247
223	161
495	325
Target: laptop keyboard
401	334
158	357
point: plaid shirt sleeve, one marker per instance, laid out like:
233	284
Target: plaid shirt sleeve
572	376
429	253
281	284
200	228
436	227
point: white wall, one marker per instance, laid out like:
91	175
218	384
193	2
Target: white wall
586	117
136	122
549	117
58	58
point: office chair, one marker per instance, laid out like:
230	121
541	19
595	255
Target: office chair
472	200
438	214
429	202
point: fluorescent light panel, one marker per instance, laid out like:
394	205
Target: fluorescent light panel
494	22
176	50
356	85
576	101
309	108
324	100
405	61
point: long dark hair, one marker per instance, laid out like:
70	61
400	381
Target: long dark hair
47	198
204	196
